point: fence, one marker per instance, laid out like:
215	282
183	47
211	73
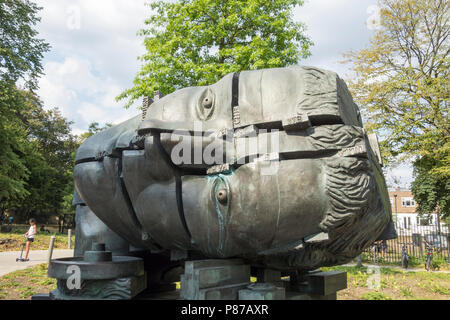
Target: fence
416	238
24	228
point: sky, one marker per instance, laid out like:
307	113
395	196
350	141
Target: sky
95	48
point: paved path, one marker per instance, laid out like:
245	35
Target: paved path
8	259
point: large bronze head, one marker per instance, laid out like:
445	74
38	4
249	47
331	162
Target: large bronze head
270	165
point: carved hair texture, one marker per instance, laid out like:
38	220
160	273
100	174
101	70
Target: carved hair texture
355	219
348	185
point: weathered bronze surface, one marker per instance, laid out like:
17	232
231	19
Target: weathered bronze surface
293	182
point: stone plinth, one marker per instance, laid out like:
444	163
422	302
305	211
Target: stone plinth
214	279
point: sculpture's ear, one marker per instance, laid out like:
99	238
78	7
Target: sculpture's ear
388	233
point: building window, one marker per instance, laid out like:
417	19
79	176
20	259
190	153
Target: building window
407	222
392	202
424	220
408	202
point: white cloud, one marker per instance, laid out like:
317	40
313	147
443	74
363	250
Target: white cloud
335	27
95	49
93	57
83	95
400	176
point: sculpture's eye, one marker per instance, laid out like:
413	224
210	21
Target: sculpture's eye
220	192
207	102
222	196
205	105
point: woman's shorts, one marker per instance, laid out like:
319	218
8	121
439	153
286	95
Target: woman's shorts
30	239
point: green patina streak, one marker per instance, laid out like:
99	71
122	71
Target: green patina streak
216	179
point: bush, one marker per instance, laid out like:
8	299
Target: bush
438	262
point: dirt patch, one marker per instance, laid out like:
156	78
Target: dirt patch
9	244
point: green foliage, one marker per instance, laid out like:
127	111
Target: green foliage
407	292
414	261
431	191
402	85
20	55
197	42
436	288
20	51
402	78
48	150
12	143
37	148
438	262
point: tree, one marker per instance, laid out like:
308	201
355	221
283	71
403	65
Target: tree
431	191
402	78
196	42
20	51
402	86
20	56
48	155
13	171
94	127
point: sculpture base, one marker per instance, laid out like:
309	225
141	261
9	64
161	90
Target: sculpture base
111	289
224	279
98	275
230	280
214	279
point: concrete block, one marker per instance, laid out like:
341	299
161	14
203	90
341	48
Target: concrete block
219	276
326	283
268	275
262	291
41	296
214	279
230	292
290	295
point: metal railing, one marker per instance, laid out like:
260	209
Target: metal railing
417	239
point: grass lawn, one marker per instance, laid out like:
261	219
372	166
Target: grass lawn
22	284
394	284
13	241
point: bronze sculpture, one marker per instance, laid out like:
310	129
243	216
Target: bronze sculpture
290	180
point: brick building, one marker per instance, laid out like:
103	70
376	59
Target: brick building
404	209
